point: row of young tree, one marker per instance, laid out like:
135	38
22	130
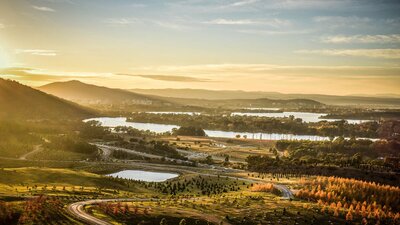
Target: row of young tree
345	147
201	185
130	213
353	198
40	209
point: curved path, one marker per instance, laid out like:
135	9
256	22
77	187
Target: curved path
36	149
77	209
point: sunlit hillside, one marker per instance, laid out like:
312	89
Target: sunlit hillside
23	102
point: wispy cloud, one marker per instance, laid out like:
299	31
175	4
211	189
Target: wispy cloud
2	26
240	70
372	53
268	22
244	2
171	78
43	8
133	21
381	39
169	25
30	74
304	4
122	21
38	52
342	21
274	32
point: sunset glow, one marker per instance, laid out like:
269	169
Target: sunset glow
331	47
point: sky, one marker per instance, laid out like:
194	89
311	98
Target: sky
346	47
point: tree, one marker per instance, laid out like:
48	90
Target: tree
226	158
349	216
183	222
163	221
209	159
189	131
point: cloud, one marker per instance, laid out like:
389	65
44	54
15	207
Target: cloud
38	52
381	39
30	74
304	4
244	2
271	22
230	22
121	21
372	53
43	8
342	21
172	78
244	70
285	4
2	26
275	32
169	25
130	21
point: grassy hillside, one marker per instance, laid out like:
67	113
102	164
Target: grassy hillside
221	95
95	95
18	101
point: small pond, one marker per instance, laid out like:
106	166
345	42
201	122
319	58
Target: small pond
144	175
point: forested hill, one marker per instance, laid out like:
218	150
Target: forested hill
89	94
237	94
19	101
246	103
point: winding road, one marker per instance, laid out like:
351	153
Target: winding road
77	209
35	150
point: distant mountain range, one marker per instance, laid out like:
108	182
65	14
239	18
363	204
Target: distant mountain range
185	99
89	94
246	103
18	101
124	100
224	95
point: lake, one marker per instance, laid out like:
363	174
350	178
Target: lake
161	128
144	175
305	116
176	113
121	121
269	109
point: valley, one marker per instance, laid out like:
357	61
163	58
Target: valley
60	169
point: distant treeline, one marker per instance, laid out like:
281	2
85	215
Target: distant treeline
375	115
289	125
345	158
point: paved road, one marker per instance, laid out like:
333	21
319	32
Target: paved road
107	149
36	149
77	210
286	192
